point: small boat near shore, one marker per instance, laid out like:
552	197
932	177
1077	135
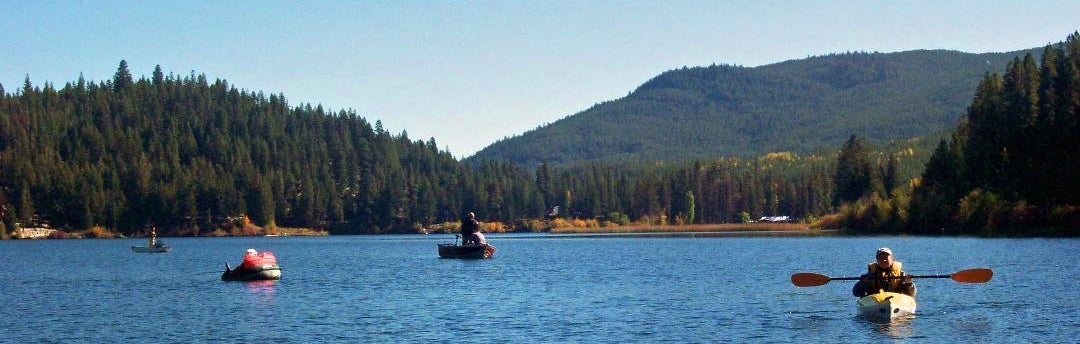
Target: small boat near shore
152	244
262	266
473	251
151	249
886	306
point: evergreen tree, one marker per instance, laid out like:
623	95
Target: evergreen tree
854	174
934	200
159	76
122	80
690	206
890	177
984	147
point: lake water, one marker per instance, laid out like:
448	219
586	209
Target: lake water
538	288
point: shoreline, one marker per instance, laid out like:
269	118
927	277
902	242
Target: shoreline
700	234
702	228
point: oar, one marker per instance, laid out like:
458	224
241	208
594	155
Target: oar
809	279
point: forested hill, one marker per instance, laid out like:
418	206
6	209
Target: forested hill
186	154
797	106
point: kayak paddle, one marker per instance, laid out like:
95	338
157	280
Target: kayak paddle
809	279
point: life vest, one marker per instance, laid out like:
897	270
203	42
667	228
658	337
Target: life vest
888	280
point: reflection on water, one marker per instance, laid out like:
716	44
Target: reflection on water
262	291
897	328
265	287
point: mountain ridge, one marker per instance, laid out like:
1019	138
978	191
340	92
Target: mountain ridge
796	105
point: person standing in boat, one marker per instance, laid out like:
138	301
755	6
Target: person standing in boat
885	273
154	242
153	236
469	226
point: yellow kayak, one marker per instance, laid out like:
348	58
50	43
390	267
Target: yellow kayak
886	305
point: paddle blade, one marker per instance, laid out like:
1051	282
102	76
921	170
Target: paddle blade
809	279
980	275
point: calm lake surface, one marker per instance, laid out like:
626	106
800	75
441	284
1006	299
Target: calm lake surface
538	288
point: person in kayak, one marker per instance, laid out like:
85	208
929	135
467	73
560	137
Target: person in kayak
884	273
469	226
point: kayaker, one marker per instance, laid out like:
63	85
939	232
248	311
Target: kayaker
885	273
469	225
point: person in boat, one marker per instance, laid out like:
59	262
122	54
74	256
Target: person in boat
153	237
251	259
154	242
469	226
478	237
885	273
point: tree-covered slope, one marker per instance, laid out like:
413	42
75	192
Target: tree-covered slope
190	156
798	106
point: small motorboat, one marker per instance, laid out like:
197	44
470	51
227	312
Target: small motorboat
152	244
151	249
472	251
886	305
262	266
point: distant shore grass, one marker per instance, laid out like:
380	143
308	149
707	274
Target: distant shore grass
718	227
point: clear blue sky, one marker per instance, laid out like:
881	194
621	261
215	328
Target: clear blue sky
469	73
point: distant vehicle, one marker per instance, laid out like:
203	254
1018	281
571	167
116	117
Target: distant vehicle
776	219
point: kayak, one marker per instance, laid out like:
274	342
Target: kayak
886	305
454	251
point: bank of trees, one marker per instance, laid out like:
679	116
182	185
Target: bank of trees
185	153
1011	164
189	155
1008	168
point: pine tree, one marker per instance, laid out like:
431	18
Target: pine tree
890	177
122	80
984	147
854	174
690	206
934	200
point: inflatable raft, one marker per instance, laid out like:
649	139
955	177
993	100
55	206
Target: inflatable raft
262	266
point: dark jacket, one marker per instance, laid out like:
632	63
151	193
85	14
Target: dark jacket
468	227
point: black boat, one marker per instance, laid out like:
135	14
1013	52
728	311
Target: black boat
472	251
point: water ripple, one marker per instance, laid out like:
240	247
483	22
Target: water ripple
586	289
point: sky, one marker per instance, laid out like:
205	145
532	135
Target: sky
470	73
